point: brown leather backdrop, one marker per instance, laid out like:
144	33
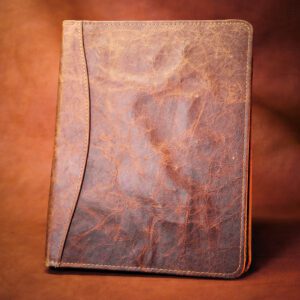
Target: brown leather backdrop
30	46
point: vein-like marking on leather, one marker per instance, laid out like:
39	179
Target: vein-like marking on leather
244	218
83	159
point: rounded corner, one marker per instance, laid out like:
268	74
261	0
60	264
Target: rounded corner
238	272
247	25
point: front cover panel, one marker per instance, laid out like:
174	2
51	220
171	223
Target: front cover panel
166	176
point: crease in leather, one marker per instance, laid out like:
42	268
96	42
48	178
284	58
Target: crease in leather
244	222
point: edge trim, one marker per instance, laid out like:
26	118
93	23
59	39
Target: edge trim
67	224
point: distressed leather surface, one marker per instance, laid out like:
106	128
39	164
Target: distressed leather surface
166	177
71	141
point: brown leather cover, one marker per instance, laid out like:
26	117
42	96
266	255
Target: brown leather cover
151	165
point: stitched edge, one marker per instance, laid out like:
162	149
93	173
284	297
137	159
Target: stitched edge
245	155
245	191
248	164
158	23
145	269
54	157
83	160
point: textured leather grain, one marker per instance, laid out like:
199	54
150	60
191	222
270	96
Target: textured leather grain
151	167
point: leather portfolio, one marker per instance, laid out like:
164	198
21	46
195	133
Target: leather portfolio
151	170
